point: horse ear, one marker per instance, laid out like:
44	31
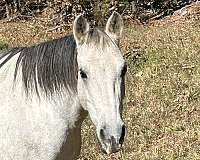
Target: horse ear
114	26
80	29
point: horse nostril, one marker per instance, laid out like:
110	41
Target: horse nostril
121	140
102	134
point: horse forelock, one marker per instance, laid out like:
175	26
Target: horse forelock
98	38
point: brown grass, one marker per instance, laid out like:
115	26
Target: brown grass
162	102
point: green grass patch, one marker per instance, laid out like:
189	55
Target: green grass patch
3	45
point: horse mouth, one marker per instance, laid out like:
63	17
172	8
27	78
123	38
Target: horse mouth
108	149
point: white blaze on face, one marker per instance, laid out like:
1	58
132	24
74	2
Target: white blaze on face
100	81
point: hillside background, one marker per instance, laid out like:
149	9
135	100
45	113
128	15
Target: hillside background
161	44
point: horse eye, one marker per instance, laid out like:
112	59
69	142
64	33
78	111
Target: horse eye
124	70
83	74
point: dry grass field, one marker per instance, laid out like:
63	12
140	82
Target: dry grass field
162	104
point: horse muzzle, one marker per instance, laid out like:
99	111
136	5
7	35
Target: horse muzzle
109	143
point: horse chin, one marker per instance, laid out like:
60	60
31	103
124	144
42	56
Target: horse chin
109	150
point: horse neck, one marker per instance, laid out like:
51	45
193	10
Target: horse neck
68	107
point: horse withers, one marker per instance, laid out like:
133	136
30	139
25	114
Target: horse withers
47	90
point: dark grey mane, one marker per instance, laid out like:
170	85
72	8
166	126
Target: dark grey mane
9	53
51	65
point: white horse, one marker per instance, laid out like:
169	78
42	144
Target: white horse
47	90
